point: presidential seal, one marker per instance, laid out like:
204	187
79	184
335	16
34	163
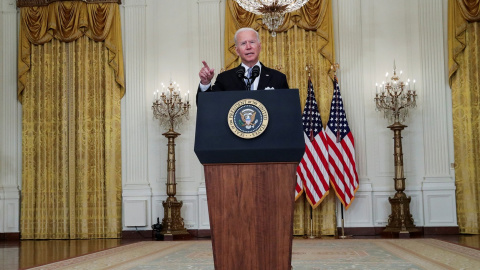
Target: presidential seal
248	118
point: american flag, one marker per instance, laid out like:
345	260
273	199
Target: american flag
341	151
312	172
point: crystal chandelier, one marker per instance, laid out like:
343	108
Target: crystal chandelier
272	11
395	97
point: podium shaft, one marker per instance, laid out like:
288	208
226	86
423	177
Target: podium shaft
251	214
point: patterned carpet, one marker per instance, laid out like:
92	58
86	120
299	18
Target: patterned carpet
315	254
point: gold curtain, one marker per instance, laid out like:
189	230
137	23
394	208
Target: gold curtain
70	83
464	79
305	38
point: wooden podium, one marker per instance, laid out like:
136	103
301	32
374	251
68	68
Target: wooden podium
250	182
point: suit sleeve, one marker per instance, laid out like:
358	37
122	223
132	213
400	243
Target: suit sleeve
285	83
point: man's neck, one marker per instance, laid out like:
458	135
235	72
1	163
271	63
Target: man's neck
249	65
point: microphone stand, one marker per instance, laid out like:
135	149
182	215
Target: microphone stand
250	82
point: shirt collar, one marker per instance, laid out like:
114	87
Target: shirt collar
257	64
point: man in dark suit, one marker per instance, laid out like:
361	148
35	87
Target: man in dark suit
248	47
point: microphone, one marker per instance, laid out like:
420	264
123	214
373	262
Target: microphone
255	72
241	72
241	75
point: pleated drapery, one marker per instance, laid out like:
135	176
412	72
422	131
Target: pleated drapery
305	38
67	21
464	79
70	83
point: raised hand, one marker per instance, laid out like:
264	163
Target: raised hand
206	74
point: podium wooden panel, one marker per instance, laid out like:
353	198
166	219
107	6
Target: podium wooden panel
251	214
250	182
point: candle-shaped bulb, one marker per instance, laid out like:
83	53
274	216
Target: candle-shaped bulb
386	75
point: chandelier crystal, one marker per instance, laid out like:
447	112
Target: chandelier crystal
395	97
272	11
169	108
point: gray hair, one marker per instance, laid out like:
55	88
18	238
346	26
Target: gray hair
245	29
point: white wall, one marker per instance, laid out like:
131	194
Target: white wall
10	121
169	39
370	35
164	40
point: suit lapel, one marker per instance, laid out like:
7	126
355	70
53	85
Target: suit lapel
264	78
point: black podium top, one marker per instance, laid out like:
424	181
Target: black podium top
281	141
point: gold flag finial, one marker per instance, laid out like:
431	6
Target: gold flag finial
309	68
335	67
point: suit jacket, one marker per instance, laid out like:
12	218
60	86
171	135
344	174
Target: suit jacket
269	78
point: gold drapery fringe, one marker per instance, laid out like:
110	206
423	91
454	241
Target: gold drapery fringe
464	69
67	21
305	38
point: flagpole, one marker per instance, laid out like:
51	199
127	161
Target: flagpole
343	236
343	224
312	236
336	67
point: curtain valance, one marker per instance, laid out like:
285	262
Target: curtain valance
470	9
68	21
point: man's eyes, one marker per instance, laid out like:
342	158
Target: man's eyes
245	42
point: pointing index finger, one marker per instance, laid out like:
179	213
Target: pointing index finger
205	65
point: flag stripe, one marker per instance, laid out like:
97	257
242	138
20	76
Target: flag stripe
341	151
312	171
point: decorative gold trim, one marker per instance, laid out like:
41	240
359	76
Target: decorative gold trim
233	112
37	3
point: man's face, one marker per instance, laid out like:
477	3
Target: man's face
248	47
